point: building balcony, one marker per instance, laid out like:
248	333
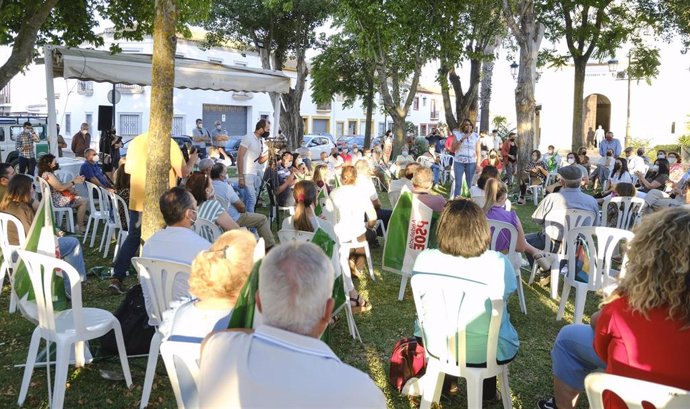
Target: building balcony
85	88
323	107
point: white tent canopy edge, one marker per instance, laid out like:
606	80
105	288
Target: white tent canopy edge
102	66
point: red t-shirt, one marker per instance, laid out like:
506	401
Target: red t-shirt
655	349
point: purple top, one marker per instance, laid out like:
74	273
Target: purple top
500	214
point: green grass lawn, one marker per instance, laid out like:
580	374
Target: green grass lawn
380	328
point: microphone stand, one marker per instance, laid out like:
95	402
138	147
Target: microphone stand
273	165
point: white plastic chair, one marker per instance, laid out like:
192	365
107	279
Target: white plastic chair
447	168
536	191
286	235
9	260
124	229
64	328
498	228
347	245
445	307
425	161
207	229
601	276
113	225
98	211
634	392
59	212
181	363
158	279
551	178
556	226
628	216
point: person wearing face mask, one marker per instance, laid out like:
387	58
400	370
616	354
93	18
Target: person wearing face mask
219	137
535	172
92	172
509	151
612	143
285	180
25	148
492	160
572	159
657	178
199	185
404	158
552	159
467	151
177	241
679	195
63	194
201	137
335	162
675	169
251	162
619	174
81	141
603	170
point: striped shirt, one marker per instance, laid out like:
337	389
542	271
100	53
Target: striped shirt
210	210
25	145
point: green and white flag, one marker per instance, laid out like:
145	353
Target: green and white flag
411	229
321	198
40	239
465	192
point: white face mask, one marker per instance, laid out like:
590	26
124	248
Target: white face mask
655	168
571	160
96	158
218	127
405	153
672	161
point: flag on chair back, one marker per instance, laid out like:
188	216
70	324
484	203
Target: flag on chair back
321	198
41	239
411	229
465	192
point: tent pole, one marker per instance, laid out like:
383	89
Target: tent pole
50	94
276	114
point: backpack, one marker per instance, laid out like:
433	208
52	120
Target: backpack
406	362
134	320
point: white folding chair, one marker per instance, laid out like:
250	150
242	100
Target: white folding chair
98	211
551	178
182	365
447	168
158	282
59	212
502	228
627	211
207	229
286	235
9	258
64	328
425	161
347	245
634	392
445	307
600	274
556	226
124	228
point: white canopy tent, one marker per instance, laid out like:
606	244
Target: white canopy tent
135	69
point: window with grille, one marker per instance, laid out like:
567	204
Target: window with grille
130	125
89	120
178	126
85	88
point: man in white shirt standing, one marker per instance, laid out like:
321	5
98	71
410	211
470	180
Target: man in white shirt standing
265	368
498	142
177	241
251	159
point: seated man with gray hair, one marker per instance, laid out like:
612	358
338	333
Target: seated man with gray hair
569	197
283	363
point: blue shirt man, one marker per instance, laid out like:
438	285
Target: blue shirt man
92	172
610	142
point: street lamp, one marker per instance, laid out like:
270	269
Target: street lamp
613	66
514	69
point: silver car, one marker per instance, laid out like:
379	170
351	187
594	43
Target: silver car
317	144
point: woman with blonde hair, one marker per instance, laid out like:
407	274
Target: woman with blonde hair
643	328
320	177
216	279
495	195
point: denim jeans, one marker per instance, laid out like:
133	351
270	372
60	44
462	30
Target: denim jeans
437	173
71	252
25	163
129	247
460	169
252	184
573	356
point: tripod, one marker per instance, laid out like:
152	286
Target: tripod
273	183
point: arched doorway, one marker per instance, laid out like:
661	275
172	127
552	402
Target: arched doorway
597	111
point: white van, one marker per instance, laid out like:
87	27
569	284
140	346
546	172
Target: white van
10	128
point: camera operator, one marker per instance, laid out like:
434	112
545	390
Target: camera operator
251	158
285	181
109	147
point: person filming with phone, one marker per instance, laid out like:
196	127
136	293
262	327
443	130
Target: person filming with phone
251	159
25	148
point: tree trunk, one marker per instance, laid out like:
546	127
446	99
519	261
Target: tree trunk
370	112
578	101
291	119
162	81
445	93
466	103
399	134
24	42
525	104
485	93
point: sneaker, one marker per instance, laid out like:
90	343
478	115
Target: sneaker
546	404
117	287
545	262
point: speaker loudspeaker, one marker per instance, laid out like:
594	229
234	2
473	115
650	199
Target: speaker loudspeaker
105	117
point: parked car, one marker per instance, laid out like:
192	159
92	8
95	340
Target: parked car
182	141
10	128
317	144
351	140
